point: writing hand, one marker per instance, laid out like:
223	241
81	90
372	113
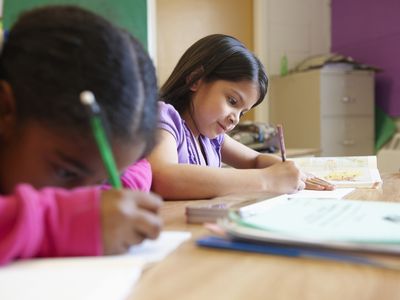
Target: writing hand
128	217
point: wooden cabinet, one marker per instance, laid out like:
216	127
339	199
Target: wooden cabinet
328	109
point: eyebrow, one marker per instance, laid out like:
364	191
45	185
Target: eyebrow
75	163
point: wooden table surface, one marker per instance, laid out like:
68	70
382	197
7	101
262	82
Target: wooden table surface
198	273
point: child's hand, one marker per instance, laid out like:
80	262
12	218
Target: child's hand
316	183
284	177
128	217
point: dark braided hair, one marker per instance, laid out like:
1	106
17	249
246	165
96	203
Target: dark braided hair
53	53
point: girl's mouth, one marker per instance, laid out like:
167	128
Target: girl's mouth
222	126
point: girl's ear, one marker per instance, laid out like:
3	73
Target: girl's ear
194	79
7	109
195	85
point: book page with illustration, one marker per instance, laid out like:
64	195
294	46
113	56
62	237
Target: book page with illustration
350	171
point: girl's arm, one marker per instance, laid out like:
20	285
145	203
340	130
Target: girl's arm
56	222
184	181
49	222
240	156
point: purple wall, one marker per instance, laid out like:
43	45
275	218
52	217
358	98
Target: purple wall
369	31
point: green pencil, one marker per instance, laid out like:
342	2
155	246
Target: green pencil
87	98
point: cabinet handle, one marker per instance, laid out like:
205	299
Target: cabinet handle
348	99
348	142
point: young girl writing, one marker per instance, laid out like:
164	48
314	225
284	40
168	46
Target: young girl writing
215	82
51	55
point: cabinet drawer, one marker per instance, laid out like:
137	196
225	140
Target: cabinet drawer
347	93
343	136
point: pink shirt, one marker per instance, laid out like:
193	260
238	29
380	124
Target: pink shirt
57	222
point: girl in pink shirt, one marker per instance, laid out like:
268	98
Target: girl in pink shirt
47	149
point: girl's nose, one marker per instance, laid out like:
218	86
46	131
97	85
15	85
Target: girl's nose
234	118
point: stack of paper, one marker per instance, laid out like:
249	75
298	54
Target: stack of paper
328	229
329	223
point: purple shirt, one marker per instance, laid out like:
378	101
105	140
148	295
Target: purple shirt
188	151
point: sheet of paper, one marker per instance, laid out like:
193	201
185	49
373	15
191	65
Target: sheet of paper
337	193
265	205
111	277
153	251
329	219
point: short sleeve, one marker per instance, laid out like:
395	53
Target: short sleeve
138	176
171	121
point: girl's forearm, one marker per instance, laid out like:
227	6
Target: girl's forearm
179	181
264	160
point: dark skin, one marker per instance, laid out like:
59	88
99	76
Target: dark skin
42	157
39	155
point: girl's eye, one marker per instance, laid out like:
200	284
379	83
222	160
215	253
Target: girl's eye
65	174
232	101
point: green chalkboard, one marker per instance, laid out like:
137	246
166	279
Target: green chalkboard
129	14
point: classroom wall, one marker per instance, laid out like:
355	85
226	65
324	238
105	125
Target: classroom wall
296	28
369	31
129	14
182	22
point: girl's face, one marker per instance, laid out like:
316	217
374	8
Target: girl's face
42	157
217	106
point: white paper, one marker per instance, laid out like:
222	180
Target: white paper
332	219
153	251
264	205
337	193
110	277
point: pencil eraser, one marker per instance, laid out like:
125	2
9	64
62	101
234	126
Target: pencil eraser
87	97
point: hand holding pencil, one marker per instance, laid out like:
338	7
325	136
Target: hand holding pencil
311	182
127	217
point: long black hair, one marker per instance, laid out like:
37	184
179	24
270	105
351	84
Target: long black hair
214	57
54	53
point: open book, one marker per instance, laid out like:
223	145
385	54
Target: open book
356	225
350	171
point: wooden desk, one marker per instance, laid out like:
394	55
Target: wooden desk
197	273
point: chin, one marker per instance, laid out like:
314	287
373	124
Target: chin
214	135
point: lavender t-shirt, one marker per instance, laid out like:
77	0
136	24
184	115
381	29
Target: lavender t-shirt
188	151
